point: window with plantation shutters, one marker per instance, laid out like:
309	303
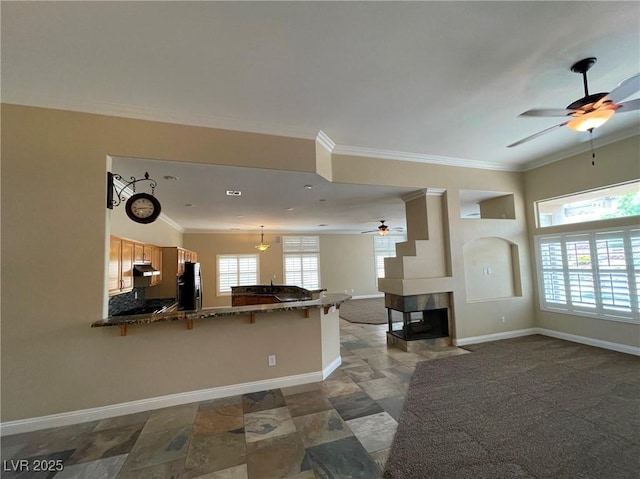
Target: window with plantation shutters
592	273
384	247
552	262
301	256
300	244
236	270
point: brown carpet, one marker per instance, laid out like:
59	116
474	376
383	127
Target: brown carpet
367	311
532	407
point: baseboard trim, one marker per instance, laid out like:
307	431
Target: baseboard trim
131	407
335	364
494	337
622	348
599	343
368	296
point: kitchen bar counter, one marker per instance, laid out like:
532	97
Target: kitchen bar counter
326	302
271	293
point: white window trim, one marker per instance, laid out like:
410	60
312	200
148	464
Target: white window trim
302	251
228	293
576	196
598	312
392	251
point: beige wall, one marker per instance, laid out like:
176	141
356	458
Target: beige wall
498	208
615	163
54	259
347	263
489	270
472	318
54	263
208	246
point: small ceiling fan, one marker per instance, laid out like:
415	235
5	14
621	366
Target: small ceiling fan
590	111
382	230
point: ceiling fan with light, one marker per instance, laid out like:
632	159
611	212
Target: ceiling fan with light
592	110
382	230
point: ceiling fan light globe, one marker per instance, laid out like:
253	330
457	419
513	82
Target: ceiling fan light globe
384	232
590	121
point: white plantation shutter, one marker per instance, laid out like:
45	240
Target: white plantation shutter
635	261
302	261
384	247
293	269
552	267
300	244
612	271
591	273
236	270
580	271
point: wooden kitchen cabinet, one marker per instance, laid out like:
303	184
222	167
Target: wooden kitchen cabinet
182	257
123	254
154	253
185	256
121	258
246	300
138	252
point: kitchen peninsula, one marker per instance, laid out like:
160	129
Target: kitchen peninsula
271	293
326	303
290	329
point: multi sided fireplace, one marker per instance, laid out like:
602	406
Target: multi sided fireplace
421	316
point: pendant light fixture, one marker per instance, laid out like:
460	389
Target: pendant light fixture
262	247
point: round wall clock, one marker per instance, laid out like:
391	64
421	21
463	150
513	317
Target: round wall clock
143	208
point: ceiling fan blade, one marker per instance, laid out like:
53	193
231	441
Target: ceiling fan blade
536	135
630	105
547	112
626	88
370	231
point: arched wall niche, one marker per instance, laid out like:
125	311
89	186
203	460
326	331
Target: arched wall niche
492	269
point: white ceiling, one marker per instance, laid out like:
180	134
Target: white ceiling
441	82
197	200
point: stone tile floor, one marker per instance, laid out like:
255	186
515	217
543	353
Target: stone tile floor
338	428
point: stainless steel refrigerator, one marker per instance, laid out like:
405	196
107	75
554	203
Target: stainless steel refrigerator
190	288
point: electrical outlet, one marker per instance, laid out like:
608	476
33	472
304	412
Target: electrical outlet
272	360
503	320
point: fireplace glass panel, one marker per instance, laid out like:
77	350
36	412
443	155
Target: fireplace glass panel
427	324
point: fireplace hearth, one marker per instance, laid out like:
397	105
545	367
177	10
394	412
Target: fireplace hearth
424	316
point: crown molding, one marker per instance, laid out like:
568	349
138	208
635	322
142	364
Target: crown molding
171	222
418	158
268	128
327	143
422	193
582	147
162	115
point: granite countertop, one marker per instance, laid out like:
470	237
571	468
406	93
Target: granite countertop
277	290
325	301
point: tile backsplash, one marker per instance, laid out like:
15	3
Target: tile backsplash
136	299
125	301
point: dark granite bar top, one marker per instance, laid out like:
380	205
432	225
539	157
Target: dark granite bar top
276	290
325	301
